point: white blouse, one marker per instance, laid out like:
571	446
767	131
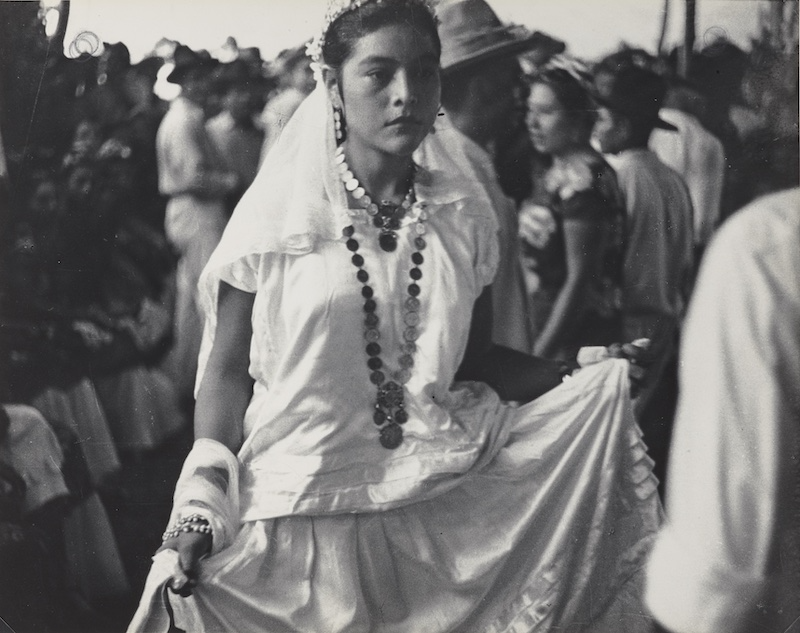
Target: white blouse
311	446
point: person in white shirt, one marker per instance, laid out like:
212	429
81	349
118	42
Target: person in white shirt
728	558
233	132
696	154
483	89
189	173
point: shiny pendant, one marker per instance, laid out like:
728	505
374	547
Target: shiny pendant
391	436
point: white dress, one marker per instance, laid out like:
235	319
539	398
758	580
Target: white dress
487	518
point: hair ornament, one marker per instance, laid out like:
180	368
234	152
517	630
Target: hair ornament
337	8
574	67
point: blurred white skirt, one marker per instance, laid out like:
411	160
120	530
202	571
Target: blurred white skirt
548	536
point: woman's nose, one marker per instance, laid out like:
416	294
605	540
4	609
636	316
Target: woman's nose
404	88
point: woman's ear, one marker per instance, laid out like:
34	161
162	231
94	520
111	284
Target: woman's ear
331	80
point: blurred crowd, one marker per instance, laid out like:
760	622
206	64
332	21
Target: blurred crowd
117	198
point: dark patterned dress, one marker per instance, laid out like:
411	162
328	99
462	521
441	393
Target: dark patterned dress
584	189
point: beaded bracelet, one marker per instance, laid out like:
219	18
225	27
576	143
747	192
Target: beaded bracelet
191	523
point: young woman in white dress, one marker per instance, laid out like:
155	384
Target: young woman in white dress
358	466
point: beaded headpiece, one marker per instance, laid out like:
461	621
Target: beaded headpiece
337	8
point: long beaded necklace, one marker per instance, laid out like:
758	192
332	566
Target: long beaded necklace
390	413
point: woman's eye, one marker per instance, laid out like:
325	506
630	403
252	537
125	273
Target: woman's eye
379	75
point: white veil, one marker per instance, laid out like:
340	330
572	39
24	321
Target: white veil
295	200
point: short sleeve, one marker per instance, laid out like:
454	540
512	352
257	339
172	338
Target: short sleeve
242	273
598	200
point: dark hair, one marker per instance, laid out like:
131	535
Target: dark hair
348	28
572	94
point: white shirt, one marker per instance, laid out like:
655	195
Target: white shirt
725	561
659	250
238	147
698	156
33	451
511	311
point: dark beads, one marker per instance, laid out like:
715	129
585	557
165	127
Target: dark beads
388	241
391	436
409	347
389	412
390	395
377	222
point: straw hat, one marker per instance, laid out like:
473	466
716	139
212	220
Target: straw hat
471	32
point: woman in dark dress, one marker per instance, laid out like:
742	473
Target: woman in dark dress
572	226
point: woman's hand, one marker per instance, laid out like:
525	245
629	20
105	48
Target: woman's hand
636	353
192	547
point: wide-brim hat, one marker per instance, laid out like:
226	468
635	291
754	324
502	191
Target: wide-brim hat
187	60
636	93
471	32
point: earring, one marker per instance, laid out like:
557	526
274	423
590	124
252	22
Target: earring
338	124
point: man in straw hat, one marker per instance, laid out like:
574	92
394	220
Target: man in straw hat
189	174
483	95
659	253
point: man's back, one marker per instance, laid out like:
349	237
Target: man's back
658	256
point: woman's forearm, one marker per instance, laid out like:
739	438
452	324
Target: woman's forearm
565	310
515	376
221	404
227	387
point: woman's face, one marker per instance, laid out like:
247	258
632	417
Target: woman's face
552	129
390	90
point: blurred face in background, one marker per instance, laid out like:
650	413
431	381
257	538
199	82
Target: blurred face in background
79	184
44	201
502	93
552	128
301	77
240	103
611	132
195	87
